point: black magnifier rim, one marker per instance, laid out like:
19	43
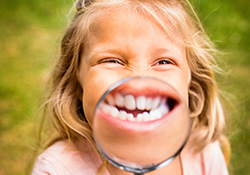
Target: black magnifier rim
112	87
147	168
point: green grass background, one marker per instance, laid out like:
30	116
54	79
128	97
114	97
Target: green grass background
30	32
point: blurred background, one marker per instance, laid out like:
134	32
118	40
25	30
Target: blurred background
30	34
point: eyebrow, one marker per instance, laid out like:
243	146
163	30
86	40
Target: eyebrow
106	49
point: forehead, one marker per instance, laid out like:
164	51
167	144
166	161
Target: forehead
132	17
121	21
122	28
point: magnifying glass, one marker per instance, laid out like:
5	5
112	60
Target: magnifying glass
141	124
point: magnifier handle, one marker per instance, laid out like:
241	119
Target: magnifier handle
138	173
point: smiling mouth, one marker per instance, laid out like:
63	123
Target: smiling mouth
142	108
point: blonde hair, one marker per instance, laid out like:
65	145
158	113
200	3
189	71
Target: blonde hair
181	23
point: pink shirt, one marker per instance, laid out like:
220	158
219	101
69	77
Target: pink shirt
64	159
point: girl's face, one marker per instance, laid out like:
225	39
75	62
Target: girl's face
125	44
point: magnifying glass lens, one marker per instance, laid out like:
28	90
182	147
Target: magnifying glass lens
140	124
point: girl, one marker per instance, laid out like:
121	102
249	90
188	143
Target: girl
109	40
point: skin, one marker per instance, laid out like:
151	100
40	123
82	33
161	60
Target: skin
119	46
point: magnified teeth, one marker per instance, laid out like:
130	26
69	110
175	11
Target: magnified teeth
152	117
114	112
119	100
164	109
145	117
110	100
141	102
145	108
131	117
106	108
123	115
156	102
149	103
130	102
139	117
156	114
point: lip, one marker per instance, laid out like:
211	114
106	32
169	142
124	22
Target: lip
152	89
143	126
139	127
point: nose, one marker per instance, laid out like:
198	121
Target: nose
140	71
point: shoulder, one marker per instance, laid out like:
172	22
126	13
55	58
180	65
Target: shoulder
63	158
209	161
214	161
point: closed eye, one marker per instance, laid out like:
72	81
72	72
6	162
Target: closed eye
111	61
163	64
164	61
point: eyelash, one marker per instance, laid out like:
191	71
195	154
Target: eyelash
166	60
111	60
163	61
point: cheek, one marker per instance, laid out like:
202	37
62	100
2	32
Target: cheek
96	83
92	92
184	81
89	101
184	87
179	81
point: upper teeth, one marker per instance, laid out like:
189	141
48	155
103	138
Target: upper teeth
156	107
132	103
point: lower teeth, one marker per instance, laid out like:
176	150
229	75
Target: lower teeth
141	117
